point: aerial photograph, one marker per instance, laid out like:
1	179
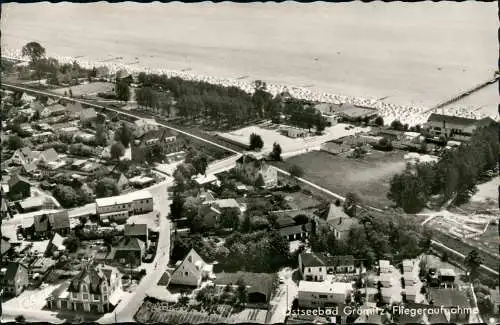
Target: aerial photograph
267	163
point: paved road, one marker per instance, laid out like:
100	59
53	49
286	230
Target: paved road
127	308
282	303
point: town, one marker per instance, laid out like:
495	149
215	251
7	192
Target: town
142	197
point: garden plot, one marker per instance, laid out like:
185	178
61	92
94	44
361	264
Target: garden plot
462	226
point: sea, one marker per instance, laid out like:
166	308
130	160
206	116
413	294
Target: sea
410	53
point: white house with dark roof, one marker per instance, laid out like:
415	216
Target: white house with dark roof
123	206
316	266
340	222
191	271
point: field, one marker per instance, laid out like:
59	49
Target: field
87	89
369	176
288	145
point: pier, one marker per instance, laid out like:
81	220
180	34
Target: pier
464	94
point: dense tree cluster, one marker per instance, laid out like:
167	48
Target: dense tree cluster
304	115
375	238
454	176
106	187
256	142
68	197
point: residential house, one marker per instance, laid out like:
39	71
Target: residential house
23	156
129	251
294	132
94	289
384	266
204	180
19	188
391	135
55	246
53	110
41	267
253	168
191	271
15	279
74	109
142	146
291	230
454	127
143	126
49	156
446	277
119	208
206	196
340	222
120	179
226	204
335	148
331	119
141	181
48	224
88	116
139	231
316	266
323	294
260	286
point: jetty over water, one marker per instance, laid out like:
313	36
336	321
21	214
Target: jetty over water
464	94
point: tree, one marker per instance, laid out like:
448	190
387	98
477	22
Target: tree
124	134
200	163
397	125
14	142
473	262
106	187
256	142
241	292
351	202
83	220
176	207
230	218
66	196
117	150
296	171
34	51
72	243
276	153
122	90
259	181
101	136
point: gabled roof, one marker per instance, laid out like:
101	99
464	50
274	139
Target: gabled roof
336	212
49	155
56	220
57	241
15	179
130	244
195	257
95	275
451	119
27	152
136	229
74	107
12	269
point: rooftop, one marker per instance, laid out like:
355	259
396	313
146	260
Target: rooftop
123	199
226	203
325	287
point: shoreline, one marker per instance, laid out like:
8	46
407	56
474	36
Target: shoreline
406	114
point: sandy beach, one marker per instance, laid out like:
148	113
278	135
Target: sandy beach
320	51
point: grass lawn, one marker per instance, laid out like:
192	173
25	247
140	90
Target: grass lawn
87	89
488	241
369	176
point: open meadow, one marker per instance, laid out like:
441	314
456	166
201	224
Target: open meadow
369	176
87	89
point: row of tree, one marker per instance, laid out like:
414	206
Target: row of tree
453	177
